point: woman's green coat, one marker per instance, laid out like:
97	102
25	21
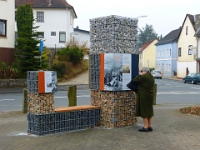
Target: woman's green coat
144	102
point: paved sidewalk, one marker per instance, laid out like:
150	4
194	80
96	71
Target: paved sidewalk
81	79
172	131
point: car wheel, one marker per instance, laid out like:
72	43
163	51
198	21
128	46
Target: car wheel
160	77
193	82
184	81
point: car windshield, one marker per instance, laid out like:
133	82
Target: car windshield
191	75
157	71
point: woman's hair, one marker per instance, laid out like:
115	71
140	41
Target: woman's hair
145	69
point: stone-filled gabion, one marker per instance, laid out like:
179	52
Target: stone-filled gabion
42	124
94	71
113	34
117	107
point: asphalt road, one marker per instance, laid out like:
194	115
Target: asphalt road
168	92
177	92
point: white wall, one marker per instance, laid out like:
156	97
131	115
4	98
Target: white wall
82	37
7	12
56	20
182	68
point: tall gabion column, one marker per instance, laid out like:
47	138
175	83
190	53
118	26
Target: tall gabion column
41	86
113	39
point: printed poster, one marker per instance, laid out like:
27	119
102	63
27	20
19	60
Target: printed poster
115	71
50	81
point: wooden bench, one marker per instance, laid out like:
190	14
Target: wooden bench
75	108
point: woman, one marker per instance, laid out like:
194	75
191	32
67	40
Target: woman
144	103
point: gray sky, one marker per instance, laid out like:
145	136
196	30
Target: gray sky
164	15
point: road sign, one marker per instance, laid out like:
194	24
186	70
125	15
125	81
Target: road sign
41	46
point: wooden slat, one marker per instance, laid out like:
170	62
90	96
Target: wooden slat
74	108
41	83
102	72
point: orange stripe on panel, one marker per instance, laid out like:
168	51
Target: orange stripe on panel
41	86
101	71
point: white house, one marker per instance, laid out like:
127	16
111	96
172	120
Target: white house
7	31
55	19
81	36
186	62
197	35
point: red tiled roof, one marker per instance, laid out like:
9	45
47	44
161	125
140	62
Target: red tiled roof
45	4
145	45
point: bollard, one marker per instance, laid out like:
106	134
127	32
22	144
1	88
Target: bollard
24	108
72	101
154	94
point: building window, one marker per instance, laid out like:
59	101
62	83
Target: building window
186	30
71	19
148	63
40	16
62	37
53	33
3	27
179	51
40	34
169	68
169	52
190	50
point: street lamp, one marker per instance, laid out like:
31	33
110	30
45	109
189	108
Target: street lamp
140	17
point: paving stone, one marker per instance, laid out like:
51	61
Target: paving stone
172	131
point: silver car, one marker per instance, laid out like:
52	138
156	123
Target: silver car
156	74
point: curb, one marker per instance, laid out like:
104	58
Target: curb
10	113
172	79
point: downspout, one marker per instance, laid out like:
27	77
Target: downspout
49	2
143	58
197	64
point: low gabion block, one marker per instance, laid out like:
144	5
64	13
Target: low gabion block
117	107
42	124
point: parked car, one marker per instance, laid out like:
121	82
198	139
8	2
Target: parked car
192	78
156	74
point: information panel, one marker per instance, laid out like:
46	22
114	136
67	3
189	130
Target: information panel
47	81
116	71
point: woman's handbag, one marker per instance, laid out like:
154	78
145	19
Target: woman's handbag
133	86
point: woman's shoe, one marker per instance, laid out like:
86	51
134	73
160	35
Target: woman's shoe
144	129
150	128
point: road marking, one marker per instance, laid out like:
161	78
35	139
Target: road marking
60	97
195	88
76	96
1	100
178	92
84	96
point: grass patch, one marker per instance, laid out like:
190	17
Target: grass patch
72	70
